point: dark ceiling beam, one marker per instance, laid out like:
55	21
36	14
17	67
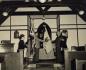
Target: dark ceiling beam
30	4
39	8
83	7
73	4
3	18
83	2
47	8
45	13
72	1
78	8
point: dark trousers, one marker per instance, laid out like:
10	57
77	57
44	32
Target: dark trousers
62	53
58	55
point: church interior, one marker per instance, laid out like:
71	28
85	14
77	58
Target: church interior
42	34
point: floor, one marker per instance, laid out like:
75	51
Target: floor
44	67
41	69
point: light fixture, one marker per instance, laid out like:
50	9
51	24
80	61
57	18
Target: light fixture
59	0
5	13
81	12
42	1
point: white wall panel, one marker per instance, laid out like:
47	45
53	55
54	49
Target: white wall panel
82	37
4	35
72	38
68	19
18	20
50	22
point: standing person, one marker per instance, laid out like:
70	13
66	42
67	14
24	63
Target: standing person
61	44
63	38
21	44
58	48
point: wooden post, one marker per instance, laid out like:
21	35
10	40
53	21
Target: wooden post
67	67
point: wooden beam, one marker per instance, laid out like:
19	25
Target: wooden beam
39	8
45	13
46	8
78	8
3	18
33	4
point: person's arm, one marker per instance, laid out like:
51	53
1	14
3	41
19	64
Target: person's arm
39	39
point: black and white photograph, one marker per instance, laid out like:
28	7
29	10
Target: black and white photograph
42	34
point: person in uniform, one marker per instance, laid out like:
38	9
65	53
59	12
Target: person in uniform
21	44
63	44
57	42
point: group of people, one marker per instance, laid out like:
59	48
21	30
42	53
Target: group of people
60	43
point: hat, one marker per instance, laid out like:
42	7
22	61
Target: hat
64	31
22	35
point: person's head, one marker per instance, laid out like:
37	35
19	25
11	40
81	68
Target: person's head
21	36
65	33
58	33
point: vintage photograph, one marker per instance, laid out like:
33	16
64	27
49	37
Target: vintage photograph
42	34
